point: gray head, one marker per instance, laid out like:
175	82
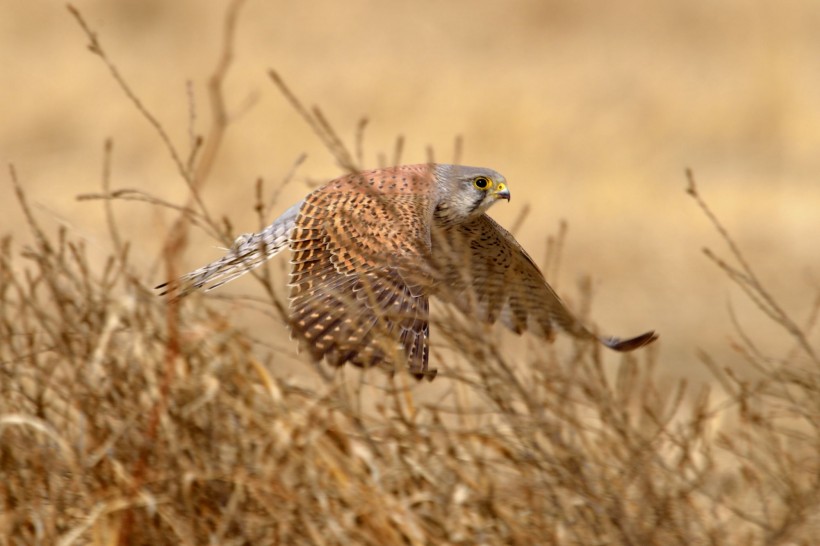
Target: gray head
467	192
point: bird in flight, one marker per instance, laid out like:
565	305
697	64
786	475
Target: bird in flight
368	251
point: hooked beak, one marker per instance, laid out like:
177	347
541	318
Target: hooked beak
502	192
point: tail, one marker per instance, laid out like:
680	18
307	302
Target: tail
624	345
248	252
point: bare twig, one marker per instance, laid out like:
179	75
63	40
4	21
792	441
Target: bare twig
555	248
128	194
398	148
109	212
193	139
747	279
317	122
286	180
41	238
219	115
458	149
520	219
96	48
359	140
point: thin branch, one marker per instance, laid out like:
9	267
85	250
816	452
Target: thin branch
219	115
127	194
359	145
318	124
288	178
96	48
334	143
109	212
398	149
756	290
42	240
555	248
520	219
194	141
458	149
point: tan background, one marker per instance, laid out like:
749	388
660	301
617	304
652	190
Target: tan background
591	109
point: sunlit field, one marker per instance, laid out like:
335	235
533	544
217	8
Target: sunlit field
663	163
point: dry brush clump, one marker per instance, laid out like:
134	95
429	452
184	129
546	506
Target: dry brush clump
126	418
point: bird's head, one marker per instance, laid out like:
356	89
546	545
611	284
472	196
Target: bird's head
466	192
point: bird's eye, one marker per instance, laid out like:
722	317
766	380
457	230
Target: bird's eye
481	183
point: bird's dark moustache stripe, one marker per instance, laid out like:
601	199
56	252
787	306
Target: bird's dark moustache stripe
477	203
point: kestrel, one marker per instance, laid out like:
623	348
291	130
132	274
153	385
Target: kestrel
369	249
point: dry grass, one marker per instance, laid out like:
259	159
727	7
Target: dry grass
122	422
125	419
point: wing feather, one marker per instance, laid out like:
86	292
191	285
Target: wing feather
353	296
498	280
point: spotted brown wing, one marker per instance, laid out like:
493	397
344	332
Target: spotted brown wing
485	271
353	296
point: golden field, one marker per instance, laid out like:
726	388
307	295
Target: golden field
124	420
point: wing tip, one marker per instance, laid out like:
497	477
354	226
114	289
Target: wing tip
626	345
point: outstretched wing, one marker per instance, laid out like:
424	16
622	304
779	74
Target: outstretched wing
247	252
485	270
355	296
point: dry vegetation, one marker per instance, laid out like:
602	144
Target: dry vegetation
128	420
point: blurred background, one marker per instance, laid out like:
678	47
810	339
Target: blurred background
591	110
